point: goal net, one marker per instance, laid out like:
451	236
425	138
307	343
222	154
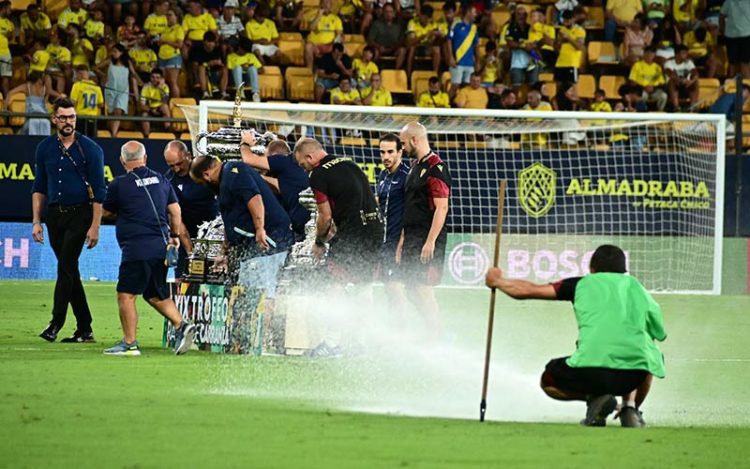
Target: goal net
649	183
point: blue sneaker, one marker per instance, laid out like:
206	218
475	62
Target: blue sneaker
184	338
124	349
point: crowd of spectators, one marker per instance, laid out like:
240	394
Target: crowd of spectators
131	57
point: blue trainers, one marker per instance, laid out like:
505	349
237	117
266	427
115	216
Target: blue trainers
184	338
124	349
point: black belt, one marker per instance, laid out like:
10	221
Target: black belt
68	208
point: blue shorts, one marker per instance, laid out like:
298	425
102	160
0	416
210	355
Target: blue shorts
148	278
327	83
174	62
388	268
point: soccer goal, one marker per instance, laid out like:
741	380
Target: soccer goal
651	183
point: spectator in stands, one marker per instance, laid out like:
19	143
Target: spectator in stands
735	25
543	36
683	78
446	23
157	23
196	23
59	67
534	103
288	14
434	96
34	24
376	94
81	49
507	99
94	27
473	96
154	100
117	68
262	31
329	68
7	34
701	47
170	59
650	76
325	30
132	8
127	33
632	99
638	36
666	37
562	6
345	93
463	39
36	92
143	59
364	68
74	14
600	103
490	68
728	103
620	13
40	58
208	65
88	99
572	40
423	37
684	13
386	36
656	10
243	63
566	98
229	24
522	68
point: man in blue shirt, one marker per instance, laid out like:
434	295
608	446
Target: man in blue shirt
285	175
69	181
390	189
197	203
463	39
728	102
148	220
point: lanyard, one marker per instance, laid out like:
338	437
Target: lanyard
78	169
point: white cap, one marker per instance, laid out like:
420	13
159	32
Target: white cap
232	3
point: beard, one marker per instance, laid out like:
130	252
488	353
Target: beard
66	130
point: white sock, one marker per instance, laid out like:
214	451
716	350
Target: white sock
628	404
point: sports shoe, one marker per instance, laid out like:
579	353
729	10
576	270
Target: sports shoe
184	338
597	409
256	97
79	337
631	417
124	349
50	333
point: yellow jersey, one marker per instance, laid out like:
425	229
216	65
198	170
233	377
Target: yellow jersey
93	29
39	61
39	28
345	98
539	31
68	16
381	97
261	31
647	74
4	47
102	54
87	96
439	99
695	48
249	59
681	16
569	55
197	26
625	10
490	70
470	98
604	106
173	34
7	28
325	30
79	56
421	33
154	96
58	55
144	60
538	139
363	71
155	24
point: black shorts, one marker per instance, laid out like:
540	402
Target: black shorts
388	270
413	271
738	49
566	75
144	277
590	380
354	255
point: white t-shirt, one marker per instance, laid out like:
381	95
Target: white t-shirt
682	70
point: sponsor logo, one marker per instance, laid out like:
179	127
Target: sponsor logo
651	194
15	253
25	172
467	263
536	190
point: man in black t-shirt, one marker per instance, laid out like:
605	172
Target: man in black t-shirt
208	64
348	216
329	68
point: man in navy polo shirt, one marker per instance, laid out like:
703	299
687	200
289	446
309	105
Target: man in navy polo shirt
69	180
289	178
197	203
148	219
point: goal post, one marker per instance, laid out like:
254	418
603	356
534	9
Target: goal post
651	183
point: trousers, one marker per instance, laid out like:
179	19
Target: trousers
67	232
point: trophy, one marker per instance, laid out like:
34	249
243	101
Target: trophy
206	248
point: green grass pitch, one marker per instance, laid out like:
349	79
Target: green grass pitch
69	406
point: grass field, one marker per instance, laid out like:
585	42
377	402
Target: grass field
408	406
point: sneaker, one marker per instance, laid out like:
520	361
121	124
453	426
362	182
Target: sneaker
79	337
256	97
124	349
184	338
50	333
631	417
597	410
206	95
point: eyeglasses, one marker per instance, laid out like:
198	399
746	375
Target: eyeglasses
69	118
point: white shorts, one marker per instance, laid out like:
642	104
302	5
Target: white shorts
6	66
267	50
461	74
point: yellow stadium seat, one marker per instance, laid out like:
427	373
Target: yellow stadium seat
499	18
354	38
395	81
185	136
21	5
271	83
549	89
586	86
546	76
290	36
594	18
420	81
17	104
745	125
130	134
354	49
602	53
161	135
311	3
6	131
611	84
308	15
177	113
300	84
292	51
103	134
353	141
437	10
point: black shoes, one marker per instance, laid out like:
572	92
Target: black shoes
50	333
598	408
79	337
631	417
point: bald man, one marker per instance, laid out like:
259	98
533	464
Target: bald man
348	217
422	246
148	219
